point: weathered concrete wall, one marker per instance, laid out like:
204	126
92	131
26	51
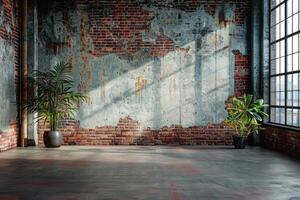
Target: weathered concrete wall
162	63
9	45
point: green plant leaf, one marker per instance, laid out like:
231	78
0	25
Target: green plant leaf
55	97
244	114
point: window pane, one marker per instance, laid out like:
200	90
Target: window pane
272	115
290	82
277	15
277	115
290	25
295	6
289	98
295	98
290	63
273	84
289	8
295	117
282	29
278	49
278	65
295	23
295	82
272	34
280	99
277	84
285	57
281	117
282	48
273	98
273	67
282	83
295	43
295	62
289	45
275	50
282	65
277	111
293	89
277	30
289	117
282	12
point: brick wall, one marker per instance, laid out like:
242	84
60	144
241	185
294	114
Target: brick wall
9	32
9	139
282	140
10	29
119	28
242	73
129	132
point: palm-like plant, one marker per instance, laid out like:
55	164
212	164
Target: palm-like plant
55	98
245	115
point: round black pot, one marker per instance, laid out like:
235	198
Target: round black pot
239	142
53	139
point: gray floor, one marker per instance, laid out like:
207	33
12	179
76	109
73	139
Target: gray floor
158	172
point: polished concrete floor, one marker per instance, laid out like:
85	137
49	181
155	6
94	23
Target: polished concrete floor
142	172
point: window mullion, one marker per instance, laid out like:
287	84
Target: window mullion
285	64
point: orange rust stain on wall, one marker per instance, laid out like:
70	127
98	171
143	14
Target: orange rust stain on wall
56	47
72	59
71	63
103	82
84	39
140	84
172	87
86	75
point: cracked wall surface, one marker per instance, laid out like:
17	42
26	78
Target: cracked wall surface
159	62
9	62
7	65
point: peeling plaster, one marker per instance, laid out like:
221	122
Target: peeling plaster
187	85
7	75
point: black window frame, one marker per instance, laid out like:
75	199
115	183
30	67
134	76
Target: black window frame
286	72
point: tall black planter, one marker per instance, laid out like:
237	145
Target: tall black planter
53	139
239	142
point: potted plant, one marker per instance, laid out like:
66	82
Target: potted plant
54	100
245	116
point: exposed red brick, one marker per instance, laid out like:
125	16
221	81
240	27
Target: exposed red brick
242	73
117	26
113	29
281	139
9	139
3	33
129	132
112	26
242	9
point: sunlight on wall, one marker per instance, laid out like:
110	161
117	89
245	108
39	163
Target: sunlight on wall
186	85
182	87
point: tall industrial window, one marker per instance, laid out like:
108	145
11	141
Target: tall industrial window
284	62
